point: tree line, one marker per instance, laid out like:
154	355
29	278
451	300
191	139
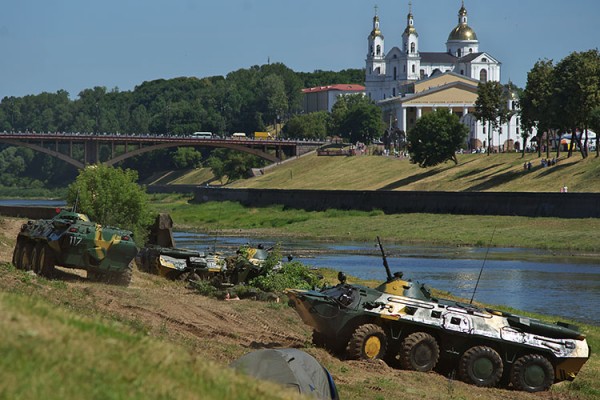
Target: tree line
245	100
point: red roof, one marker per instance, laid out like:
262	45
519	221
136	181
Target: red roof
341	87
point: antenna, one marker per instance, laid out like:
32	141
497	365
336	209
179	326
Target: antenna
76	202
385	263
482	265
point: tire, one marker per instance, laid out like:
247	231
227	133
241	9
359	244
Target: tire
35	256
368	342
318	339
122	278
46	261
419	351
16	258
532	373
26	256
481	366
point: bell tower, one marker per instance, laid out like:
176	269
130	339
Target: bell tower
376	51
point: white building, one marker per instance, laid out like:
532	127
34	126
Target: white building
407	82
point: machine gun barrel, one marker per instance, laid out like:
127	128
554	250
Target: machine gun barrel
385	263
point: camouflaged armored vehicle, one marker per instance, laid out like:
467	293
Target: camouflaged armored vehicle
71	240
180	264
402	323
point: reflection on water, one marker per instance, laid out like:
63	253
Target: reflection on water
553	288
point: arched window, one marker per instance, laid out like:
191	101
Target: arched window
470	50
371	50
412	47
378	49
413	68
462	71
459	53
483	75
395	73
394	92
422	73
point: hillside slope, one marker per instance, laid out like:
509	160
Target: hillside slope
475	172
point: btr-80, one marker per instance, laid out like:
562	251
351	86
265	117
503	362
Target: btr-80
402	323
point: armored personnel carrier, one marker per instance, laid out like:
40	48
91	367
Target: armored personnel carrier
71	240
402	323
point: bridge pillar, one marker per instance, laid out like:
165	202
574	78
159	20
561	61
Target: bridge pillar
91	155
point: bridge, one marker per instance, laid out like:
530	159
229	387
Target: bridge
80	150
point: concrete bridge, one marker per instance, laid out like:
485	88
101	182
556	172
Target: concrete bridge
80	150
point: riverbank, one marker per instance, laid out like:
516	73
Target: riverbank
565	237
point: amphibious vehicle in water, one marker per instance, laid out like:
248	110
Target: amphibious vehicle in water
402	323
71	240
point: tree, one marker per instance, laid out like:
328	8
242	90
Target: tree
356	118
232	164
111	196
536	100
435	138
187	157
488	106
577	93
307	126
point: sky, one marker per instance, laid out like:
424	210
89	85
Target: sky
72	45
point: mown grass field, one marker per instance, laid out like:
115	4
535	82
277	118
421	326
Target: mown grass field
474	172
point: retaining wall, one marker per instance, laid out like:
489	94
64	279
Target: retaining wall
563	205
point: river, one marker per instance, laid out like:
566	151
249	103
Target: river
558	288
525	279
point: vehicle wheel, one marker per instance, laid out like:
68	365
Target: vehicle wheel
419	352
122	278
367	342
45	261
35	257
16	258
532	373
26	256
481	366
318	339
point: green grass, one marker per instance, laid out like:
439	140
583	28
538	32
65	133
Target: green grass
57	352
560	234
475	172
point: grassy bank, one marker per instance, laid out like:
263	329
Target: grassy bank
564	235
474	172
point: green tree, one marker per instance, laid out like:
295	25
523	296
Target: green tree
356	118
187	157
577	93
435	138
489	106
535	101
232	164
307	126
595	126
111	196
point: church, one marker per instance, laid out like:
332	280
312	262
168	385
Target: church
407	82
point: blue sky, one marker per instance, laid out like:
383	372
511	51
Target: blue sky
47	45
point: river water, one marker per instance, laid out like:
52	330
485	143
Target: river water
525	279
559	288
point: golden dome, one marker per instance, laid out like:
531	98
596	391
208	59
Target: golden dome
462	32
410	29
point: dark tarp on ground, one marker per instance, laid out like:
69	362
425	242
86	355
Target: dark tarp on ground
291	368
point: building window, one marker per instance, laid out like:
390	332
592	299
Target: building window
484	59
470	50
422	73
459	53
413	68
483	75
462	71
371	49
395	73
394	92
412	47
378	49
